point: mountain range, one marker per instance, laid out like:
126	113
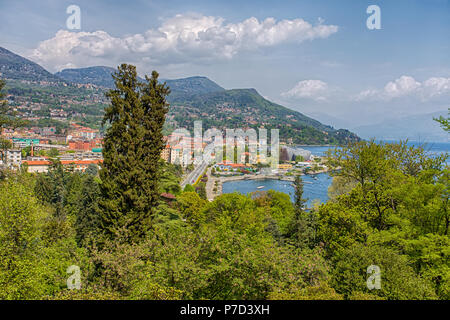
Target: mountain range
194	98
99	76
420	127
15	67
417	127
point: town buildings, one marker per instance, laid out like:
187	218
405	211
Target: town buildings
166	153
13	158
82	146
74	165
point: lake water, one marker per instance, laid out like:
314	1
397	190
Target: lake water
313	189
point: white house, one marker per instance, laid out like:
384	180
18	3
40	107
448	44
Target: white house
13	158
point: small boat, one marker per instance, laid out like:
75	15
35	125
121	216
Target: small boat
260	187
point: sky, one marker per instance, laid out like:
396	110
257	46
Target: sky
317	57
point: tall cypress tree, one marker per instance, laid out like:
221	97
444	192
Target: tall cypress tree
132	149
299	203
302	228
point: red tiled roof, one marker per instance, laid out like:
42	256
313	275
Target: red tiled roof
81	161
234	165
168	195
43	162
36	163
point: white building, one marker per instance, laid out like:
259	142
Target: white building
13	158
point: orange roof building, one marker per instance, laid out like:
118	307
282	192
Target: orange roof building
43	165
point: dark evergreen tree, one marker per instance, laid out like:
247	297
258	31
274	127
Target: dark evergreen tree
92	169
132	149
302	229
445	122
51	187
201	190
299	204
87	224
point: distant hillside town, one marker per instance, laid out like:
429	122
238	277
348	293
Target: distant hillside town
79	147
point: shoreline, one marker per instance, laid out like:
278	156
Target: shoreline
219	181
311	145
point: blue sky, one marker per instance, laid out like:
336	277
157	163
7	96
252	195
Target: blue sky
317	57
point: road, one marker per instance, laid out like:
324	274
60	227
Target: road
210	194
194	175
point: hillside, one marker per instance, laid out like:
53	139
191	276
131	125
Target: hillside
15	67
420	127
100	76
242	108
193	98
189	88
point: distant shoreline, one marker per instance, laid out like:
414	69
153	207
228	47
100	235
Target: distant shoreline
312	145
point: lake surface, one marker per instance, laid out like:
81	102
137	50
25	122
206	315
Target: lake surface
313	189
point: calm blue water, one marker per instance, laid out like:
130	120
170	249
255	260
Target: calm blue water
316	150
313	189
430	147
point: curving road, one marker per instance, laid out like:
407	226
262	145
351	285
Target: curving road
194	175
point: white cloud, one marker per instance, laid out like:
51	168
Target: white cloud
407	86
310	89
366	94
402	86
180	39
436	86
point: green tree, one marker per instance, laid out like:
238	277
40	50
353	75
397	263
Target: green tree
445	123
132	149
302	229
341	224
92	169
5	144
87	223
170	178
33	260
53	153
398	279
299	201
190	206
279	209
51	187
21	219
339	186
201	190
26	152
189	188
